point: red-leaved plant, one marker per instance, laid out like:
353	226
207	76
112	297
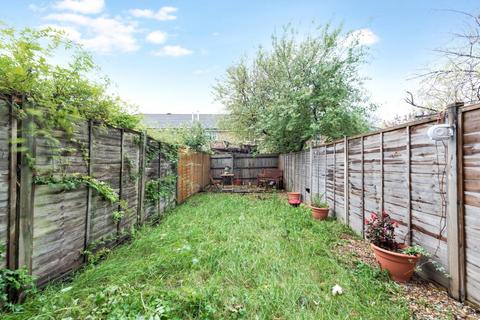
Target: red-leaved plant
381	232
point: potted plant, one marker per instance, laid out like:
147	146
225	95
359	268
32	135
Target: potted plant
319	208
294	203
398	259
294	196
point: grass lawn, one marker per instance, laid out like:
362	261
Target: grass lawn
222	256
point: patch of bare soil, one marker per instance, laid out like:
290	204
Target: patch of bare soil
426	300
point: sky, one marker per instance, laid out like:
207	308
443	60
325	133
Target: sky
165	56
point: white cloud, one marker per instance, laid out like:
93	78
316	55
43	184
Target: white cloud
102	34
364	37
36	8
81	6
173	51
164	13
157	37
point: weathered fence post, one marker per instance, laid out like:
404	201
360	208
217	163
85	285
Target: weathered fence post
122	167
159	206
141	184
88	218
26	193
12	262
363	186
334	179
409	186
346	193
455	206
310	171
382	201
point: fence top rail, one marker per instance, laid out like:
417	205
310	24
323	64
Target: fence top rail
470	107
241	155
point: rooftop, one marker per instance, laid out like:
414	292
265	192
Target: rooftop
175	120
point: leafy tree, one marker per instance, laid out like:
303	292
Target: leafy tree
455	73
194	137
59	94
306	86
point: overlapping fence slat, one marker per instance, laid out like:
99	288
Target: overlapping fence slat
193	173
246	167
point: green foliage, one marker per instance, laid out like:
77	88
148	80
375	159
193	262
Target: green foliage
318	202
196	138
57	96
224	256
169	153
129	165
74	181
165	151
193	137
14	281
160	189
306	86
99	255
416	250
118	215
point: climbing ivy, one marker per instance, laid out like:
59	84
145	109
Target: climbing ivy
161	188
165	151
74	181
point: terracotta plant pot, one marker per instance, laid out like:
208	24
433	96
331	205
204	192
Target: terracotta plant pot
400	266
237	182
294	196
319	213
294	203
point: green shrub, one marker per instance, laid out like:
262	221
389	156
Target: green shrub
318	202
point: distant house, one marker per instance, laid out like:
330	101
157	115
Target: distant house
176	120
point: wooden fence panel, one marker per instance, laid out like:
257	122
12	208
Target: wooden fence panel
106	164
193	173
330	160
471	195
372	175
428	193
395	179
355	185
318	172
339	178
152	172
4	175
130	178
59	216
246	167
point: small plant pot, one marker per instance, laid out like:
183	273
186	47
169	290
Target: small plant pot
237	182
400	266
294	203
294	196
319	213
